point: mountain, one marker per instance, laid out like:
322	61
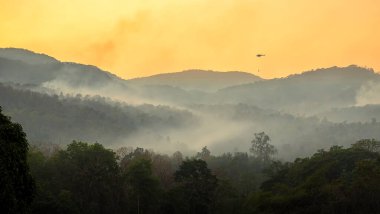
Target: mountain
26	67
204	80
187	113
306	93
26	56
47	74
309	93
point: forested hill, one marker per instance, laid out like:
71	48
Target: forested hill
60	119
26	56
23	66
307	93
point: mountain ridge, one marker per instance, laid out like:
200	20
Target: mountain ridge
307	92
195	79
25	55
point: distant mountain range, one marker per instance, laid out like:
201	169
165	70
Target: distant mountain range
24	66
311	92
57	101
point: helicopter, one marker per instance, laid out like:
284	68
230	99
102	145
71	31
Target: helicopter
258	56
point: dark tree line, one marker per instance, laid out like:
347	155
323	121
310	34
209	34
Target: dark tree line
88	178
92	179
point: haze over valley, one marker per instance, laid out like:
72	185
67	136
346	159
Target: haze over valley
57	102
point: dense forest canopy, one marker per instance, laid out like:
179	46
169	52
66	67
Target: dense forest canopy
89	178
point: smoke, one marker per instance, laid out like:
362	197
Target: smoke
216	120
228	128
368	94
218	134
118	93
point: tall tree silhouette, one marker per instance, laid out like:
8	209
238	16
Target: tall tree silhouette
16	184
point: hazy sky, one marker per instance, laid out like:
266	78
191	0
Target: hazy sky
134	38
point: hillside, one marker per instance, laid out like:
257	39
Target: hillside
305	93
26	56
61	119
26	67
204	80
362	114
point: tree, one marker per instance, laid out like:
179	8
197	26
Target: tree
371	145
142	187
91	175
204	154
16	184
197	185
162	169
123	151
261	147
177	158
335	181
138	153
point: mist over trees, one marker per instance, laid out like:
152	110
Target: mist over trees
188	142
57	102
61	118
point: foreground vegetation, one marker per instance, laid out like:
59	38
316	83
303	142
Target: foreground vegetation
88	178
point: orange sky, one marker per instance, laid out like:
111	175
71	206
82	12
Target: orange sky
145	37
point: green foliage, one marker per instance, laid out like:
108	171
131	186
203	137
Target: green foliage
143	188
371	145
84	178
197	185
90	169
335	181
227	198
16	184
243	172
